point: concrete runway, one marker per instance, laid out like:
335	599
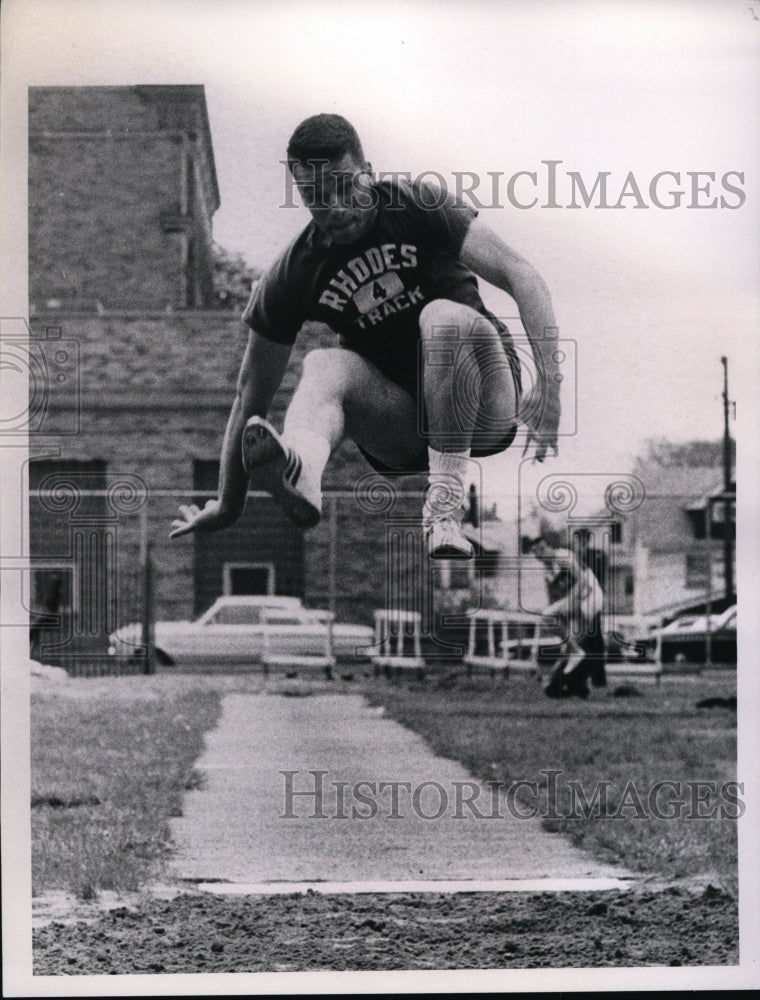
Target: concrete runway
249	827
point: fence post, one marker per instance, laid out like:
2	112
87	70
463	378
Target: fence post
709	595
148	616
332	566
332	574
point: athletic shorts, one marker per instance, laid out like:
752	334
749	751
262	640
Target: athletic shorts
411	383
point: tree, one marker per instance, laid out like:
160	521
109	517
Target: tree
686	454
233	278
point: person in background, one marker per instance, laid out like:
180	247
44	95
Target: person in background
594	644
575	599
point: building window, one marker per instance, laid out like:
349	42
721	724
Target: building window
697	520
717	520
77	477
717	510
189	186
697	570
75	600
206	474
249	578
88	473
191	277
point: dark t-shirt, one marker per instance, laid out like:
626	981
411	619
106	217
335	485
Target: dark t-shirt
372	291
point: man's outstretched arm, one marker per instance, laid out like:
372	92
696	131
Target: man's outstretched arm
260	375
490	258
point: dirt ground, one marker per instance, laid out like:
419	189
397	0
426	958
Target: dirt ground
675	925
179	929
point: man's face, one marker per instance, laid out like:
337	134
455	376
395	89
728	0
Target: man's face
338	195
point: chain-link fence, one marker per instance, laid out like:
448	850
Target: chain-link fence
111	593
104	569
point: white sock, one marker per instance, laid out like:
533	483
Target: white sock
453	463
312	448
446	480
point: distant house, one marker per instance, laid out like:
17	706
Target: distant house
669	553
665	554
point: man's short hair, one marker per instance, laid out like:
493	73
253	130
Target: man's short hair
551	538
324	137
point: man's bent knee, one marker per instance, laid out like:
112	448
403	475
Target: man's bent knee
340	373
323	360
446	319
332	366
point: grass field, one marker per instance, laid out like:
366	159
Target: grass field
112	757
509	732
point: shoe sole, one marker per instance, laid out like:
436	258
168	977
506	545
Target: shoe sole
276	469
449	552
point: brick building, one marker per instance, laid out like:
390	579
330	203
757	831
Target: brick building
138	370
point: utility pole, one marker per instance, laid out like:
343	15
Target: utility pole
728	542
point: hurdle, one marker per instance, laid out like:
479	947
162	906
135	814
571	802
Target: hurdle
504	655
395	631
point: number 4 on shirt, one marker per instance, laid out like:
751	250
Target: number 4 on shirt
378	291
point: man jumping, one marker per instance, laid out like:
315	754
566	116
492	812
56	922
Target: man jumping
423	377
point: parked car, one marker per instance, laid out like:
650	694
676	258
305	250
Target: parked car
240	629
685	638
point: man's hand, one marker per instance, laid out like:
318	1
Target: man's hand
192	518
541	413
490	258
